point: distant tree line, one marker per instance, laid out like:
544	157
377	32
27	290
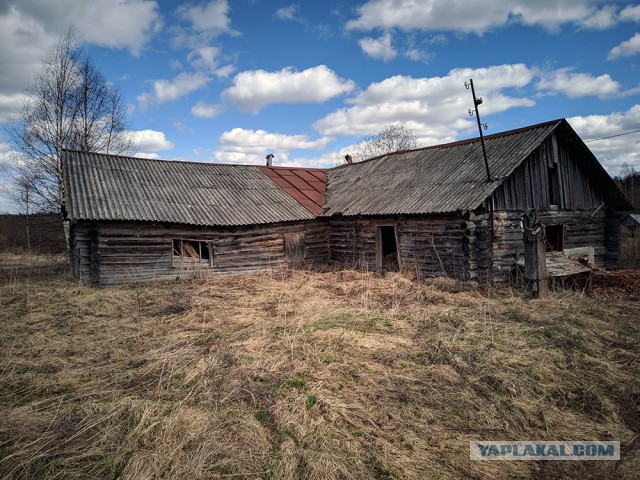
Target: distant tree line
45	233
629	183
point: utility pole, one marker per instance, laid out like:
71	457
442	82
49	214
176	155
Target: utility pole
478	101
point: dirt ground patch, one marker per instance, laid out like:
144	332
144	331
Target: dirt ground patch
616	284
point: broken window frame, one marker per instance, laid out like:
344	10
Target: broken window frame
199	247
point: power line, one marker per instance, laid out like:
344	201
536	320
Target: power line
612	136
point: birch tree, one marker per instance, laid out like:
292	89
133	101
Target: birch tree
70	105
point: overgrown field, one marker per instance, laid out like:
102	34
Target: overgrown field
310	375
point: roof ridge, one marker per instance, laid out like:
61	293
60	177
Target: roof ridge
194	162
457	143
284	167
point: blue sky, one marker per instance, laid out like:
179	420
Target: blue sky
233	80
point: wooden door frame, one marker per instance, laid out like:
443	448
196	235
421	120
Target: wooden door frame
379	249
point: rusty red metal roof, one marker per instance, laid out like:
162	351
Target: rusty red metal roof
305	185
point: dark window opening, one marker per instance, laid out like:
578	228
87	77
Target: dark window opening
554	237
387	249
192	252
554	186
294	247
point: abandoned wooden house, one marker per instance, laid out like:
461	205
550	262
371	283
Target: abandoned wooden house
432	210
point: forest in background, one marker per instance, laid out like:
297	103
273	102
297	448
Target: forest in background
47	235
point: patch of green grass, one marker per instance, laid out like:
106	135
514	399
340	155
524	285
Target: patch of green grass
311	401
191	383
333	321
212	337
299	383
378	469
285	432
262	416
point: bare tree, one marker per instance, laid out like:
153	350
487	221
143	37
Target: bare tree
24	198
70	105
392	138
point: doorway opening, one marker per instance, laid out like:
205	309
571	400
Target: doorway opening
554	237
387	249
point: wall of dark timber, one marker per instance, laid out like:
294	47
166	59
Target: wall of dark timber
466	246
107	253
429	245
584	228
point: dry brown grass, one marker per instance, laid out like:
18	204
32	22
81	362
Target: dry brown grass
313	375
629	249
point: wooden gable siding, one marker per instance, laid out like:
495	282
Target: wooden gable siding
108	253
528	186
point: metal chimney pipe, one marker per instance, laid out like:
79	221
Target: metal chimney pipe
269	159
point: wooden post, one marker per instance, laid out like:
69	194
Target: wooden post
535	263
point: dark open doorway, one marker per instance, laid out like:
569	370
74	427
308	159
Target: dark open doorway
387	249
554	237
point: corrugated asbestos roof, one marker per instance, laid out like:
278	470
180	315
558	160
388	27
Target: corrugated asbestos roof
307	186
106	187
439	179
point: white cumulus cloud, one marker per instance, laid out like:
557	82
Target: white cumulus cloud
208	17
149	142
169	90
253	90
208	110
379	48
240	145
628	48
28	28
478	16
204	58
122	24
431	107
575	85
10	105
630	13
614	152
601	19
288	13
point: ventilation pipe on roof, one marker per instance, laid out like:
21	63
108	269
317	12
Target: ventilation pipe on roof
270	159
348	159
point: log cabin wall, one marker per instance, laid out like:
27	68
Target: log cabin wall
552	181
582	228
430	245
108	253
